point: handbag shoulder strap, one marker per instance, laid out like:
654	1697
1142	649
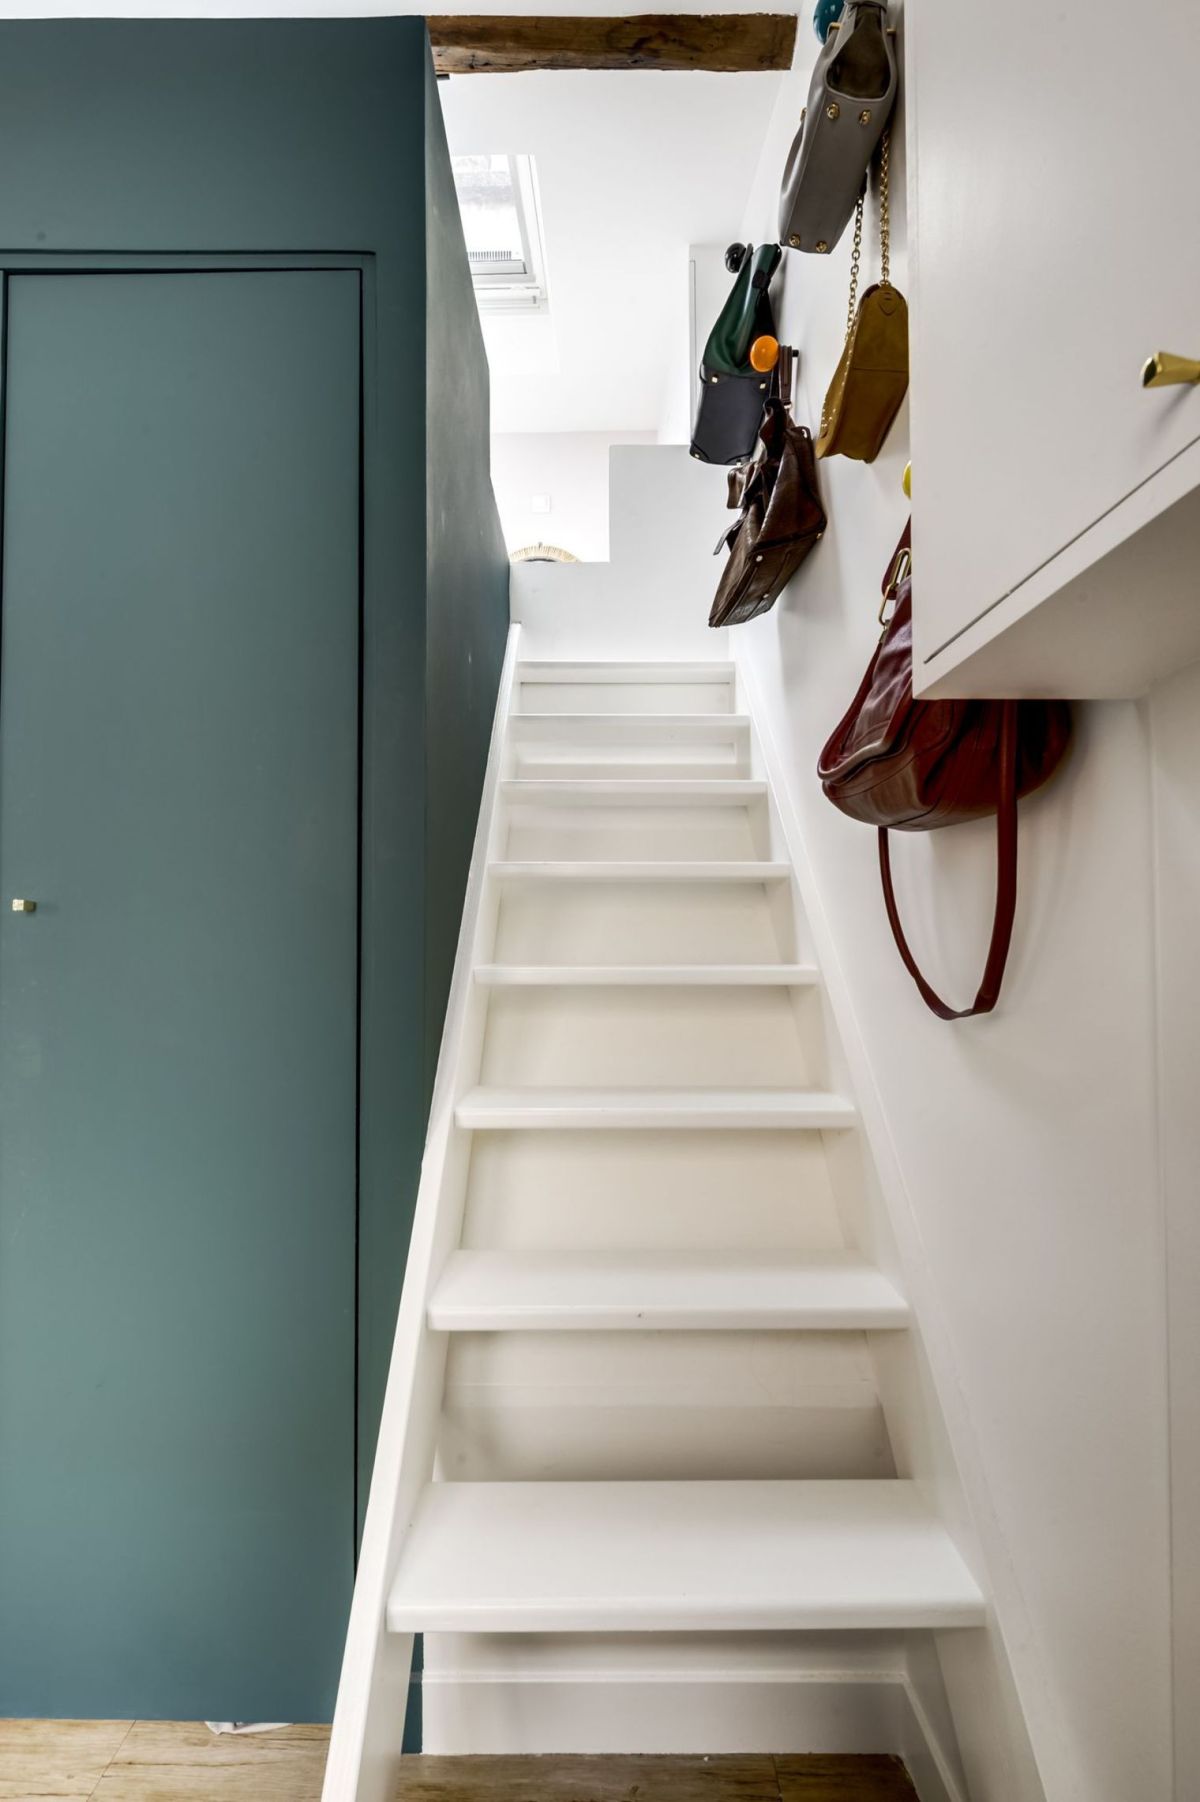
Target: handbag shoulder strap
1006	889
885	211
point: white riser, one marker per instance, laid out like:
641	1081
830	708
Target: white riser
710	1038
684	1370
695	746
624	729
626	834
702	1191
533	670
634	791
666	1557
615	763
498	1438
705	1657
610	923
682	1716
668	1405
641	697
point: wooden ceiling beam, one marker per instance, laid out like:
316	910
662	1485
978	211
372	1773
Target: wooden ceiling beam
733	43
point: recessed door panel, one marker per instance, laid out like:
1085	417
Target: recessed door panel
178	1016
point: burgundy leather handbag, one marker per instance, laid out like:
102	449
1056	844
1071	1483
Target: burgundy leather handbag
909	765
781	517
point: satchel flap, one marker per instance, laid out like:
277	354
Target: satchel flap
879	340
794	509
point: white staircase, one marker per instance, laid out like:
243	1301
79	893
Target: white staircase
632	1392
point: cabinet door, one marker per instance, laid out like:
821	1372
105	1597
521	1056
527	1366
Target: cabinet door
1052	208
179	796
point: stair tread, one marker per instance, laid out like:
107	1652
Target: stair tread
678	1556
487	1108
655	870
482	1291
732	791
667	976
538	669
630	725
589	764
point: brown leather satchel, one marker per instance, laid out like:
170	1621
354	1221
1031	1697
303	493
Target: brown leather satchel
896	762
781	516
871	379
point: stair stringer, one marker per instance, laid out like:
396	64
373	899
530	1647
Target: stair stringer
373	1692
967	1682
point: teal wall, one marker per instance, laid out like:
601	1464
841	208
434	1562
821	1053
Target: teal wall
135	144
466	565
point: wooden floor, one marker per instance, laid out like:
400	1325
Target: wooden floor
751	1779
181	1761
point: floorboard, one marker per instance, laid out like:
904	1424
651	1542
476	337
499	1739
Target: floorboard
611	1779
56	1758
157	1761
871	1779
578	1779
181	1761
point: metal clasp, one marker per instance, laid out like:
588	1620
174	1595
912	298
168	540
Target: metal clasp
900	567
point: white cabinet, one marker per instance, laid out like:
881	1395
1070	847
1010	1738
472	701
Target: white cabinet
1052	206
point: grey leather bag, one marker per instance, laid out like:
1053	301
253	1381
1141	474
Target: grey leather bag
850	98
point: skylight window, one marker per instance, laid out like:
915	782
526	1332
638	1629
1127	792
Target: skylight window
497	197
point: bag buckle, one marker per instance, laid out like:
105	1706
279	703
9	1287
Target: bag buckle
899	568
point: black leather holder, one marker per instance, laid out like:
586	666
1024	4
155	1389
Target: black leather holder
725	429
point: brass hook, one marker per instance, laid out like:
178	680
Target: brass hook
1163	370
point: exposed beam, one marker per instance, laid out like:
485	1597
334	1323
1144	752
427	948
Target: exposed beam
730	42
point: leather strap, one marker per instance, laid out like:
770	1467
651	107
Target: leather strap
1006	888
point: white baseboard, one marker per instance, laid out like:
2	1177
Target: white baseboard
842	1712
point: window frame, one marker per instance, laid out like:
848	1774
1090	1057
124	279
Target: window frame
504	291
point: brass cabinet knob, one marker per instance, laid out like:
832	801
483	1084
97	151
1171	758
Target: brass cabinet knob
1163	370
24	907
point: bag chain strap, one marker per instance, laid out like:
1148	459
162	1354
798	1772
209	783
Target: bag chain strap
885	234
885	249
885	220
855	260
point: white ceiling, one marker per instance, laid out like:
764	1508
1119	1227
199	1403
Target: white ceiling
632	167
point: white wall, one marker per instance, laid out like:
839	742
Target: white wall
652	598
571	468
1027	1143
632	166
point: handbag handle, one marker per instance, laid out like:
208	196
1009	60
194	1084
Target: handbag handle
1006	889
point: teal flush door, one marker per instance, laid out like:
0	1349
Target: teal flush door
179	746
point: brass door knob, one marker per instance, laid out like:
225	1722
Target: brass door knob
24	907
1163	370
